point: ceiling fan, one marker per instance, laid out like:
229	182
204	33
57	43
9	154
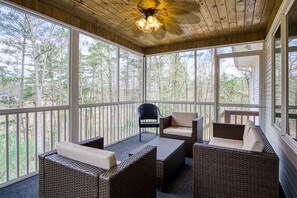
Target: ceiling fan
160	16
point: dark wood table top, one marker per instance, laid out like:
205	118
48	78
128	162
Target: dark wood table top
165	147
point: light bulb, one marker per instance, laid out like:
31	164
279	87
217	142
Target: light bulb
151	20
140	23
147	29
157	25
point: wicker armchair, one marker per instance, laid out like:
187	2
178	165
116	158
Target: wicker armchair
63	177
196	136
228	172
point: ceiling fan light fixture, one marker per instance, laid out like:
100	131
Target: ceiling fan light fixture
149	24
141	23
151	20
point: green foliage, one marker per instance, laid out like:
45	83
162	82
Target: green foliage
234	89
13	155
170	77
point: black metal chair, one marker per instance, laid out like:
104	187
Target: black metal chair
148	117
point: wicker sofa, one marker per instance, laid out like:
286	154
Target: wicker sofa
183	120
229	172
63	177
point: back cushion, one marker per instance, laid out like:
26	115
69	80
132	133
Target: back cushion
253	141
247	127
183	118
92	156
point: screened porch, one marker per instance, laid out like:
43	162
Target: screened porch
64	78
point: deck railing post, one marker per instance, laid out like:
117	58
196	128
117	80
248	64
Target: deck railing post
74	87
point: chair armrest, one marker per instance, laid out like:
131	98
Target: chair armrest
60	176
235	171
133	177
197	129
96	142
41	174
165	122
230	131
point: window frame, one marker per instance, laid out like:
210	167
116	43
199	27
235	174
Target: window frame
283	131
279	25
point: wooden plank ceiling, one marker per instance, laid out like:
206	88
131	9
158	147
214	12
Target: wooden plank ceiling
188	23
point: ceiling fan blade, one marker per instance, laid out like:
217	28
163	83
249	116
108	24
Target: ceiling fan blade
136	33
190	6
188	18
181	16
160	33
172	26
121	2
133	13
165	4
146	4
176	11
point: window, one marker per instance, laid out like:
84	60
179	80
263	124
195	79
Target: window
239	80
34	61
277	78
205	75
292	71
171	77
130	76
97	71
34	67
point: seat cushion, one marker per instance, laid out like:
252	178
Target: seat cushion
247	127
226	142
92	156
180	131
184	119
253	141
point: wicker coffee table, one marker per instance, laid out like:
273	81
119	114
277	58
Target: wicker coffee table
170	156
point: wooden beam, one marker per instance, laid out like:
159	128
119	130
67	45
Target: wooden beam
207	43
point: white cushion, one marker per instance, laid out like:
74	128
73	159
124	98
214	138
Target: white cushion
226	142
95	157
183	118
180	131
253	141
247	127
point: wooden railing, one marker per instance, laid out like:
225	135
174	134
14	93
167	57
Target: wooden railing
240	117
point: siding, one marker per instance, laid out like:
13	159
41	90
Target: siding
256	82
288	158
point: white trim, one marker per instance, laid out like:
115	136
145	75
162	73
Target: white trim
290	142
261	88
74	87
217	85
281	19
239	105
181	102
276	127
171	52
144	79
195	80
206	48
240	54
33	109
284	76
